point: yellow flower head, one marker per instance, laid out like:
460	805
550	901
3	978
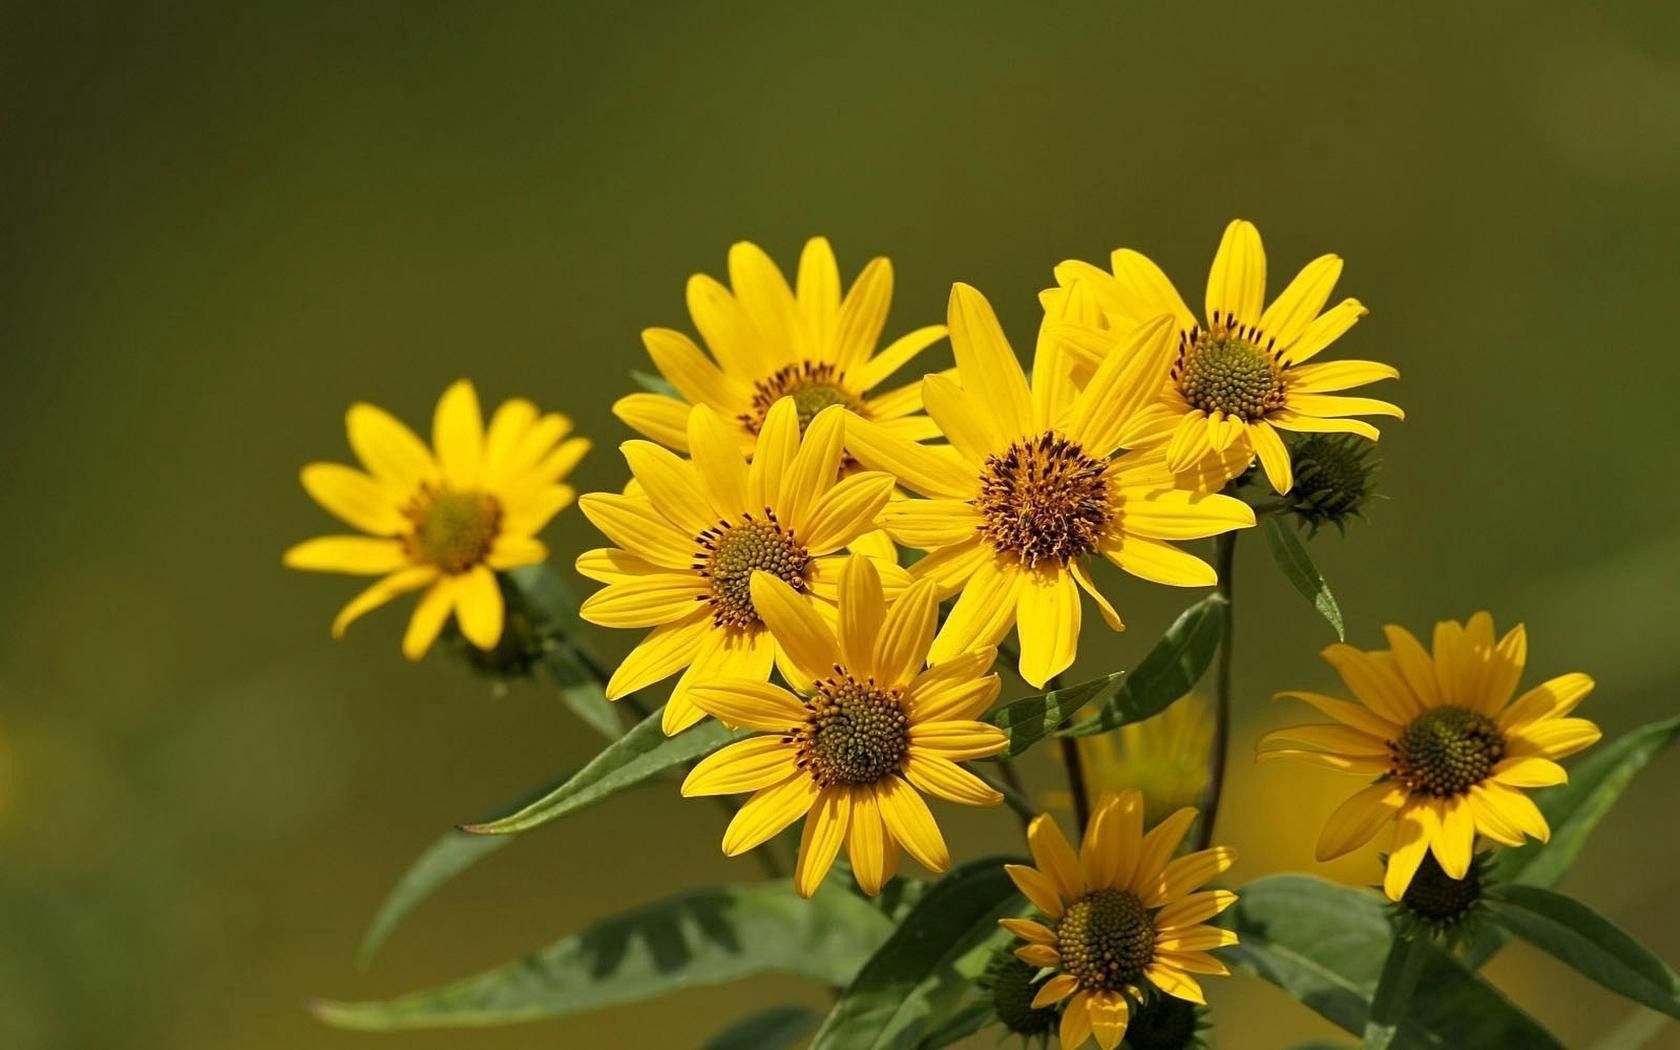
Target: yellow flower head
769	341
871	728
1452	752
1165	757
444	521
691	534
1121	915
1244	375
1032	485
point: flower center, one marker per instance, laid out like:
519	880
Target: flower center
1227	370
813	386
1334	476
1446	751
730	553
856	733
1165	1022
1043	497
1437	898
1013	987
453	530
1106	939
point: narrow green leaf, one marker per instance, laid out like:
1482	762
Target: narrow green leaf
1297	565
552	607
448	856
1326	946
910	984
1170	669
777	1028
655	384
1585	940
1572	811
1395	986
642	753
1031	719
700	938
965	1022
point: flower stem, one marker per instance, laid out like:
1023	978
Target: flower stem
1225	560
1070	749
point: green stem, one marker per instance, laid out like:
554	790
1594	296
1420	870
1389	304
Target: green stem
1399	980
1013	796
1070	749
767	858
1225	560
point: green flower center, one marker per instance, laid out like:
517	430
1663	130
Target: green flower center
1334	476
856	733
1446	751
1043	497
1012	986
813	386
1227	371
454	530
1106	939
1438	899
730	553
1165	1022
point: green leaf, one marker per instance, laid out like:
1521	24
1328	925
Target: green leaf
704	937
777	1028
1029	720
1297	565
1586	941
912	982
655	384
642	753
552	608
1170	669
1572	811
965	1022
448	856
1326	945
1395	986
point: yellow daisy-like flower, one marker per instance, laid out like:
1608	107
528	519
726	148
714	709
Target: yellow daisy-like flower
769	341
1122	914
1032	485
1452	753
1244	375
872	729
691	534
447	521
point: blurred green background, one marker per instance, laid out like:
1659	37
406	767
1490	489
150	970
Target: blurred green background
220	224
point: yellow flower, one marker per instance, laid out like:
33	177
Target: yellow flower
691	533
445	521
1245	375
768	341
1451	751
872	729
1122	915
1165	757
1031	486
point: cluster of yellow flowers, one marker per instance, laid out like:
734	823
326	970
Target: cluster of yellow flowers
761	534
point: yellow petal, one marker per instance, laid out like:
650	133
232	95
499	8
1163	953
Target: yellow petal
1184	874
1416	827
1194	908
1455	840
846	511
1349	714
1158	562
1159	846
1552	738
813	470
768	812
1326	329
986	365
906	633
1553	698
746	703
1029	931
1329	406
458	435
1529	773
1357	820
359	555
478	607
726	328
766	299
797	628
862	315
917	467
873	854
963	419
1076	1022
354	498
633	524
895	355
687	368
1128	379
429	617
1273	455
665	651
397	583
959	688
1039	955
1146	289
671	484
1048	618
984	613
645	601
1175	983
1036	887
1196	939
1175	514
862	608
825	830
512	552
389	450
1341	740
818	288
1055	990
746	765
957	741
1297	306
1377	683
1306	424
944	779
717	461
1331	376
929	523
1055	857
509	424
1236	286
911	823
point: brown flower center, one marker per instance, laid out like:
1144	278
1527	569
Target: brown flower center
1043	497
1446	751
813	386
1229	368
731	552
1106	939
453	530
856	733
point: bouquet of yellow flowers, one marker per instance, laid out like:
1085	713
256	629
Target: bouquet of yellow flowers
854	605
